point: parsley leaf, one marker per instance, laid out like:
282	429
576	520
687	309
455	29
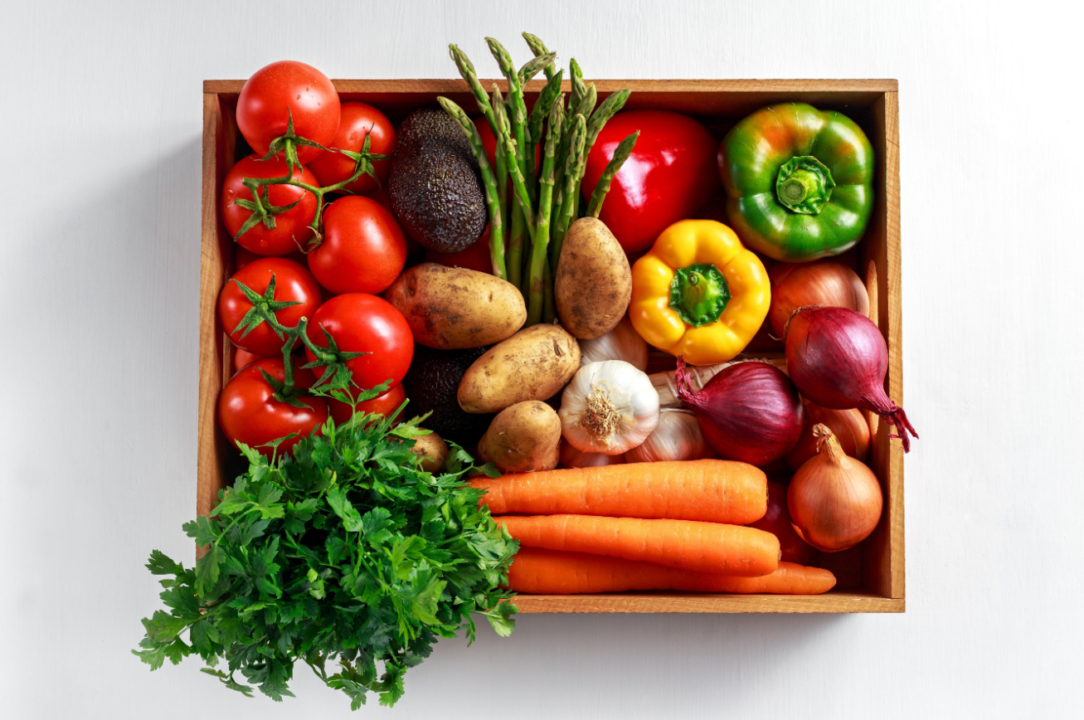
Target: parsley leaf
345	553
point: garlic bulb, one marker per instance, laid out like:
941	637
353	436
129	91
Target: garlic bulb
677	437
573	458
609	407
621	343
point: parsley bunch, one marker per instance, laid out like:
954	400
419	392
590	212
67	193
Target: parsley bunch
348	552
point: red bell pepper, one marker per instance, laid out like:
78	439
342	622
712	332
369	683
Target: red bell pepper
669	176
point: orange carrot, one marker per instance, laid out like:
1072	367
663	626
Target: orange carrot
710	490
550	572
685	544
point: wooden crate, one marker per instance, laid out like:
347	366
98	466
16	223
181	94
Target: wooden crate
717	103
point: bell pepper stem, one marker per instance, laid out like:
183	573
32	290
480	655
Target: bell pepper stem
804	185
699	293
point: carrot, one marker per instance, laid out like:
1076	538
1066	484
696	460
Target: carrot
710	490
685	544
550	572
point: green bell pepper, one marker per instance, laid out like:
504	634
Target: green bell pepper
799	181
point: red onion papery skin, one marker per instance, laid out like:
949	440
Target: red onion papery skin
838	359
749	412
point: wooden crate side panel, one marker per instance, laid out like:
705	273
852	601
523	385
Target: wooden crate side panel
727	101
729	98
445	85
701	603
883	561
215	261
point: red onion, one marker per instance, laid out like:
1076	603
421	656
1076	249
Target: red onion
838	359
748	412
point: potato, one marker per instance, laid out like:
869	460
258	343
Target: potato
523	438
433	451
533	364
453	309
593	285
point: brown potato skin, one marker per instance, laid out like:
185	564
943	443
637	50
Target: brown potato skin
454	308
593	285
433	451
523	438
533	364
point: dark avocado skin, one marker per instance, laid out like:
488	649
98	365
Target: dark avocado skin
432	384
435	187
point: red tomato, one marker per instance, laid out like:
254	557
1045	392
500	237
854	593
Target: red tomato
244	256
384	405
249	413
242	358
357	121
777	522
291	230
363	249
669	176
293	283
283	89
475	257
360	322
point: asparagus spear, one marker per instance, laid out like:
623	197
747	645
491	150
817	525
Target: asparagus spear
621	154
609	107
533	66
578	88
519	184
510	207
500	160
496	226
573	169
542	230
542	107
466	69
517	114
539	48
587	101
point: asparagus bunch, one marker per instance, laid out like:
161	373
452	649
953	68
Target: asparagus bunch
545	200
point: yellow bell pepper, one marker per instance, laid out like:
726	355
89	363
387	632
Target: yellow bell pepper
699	293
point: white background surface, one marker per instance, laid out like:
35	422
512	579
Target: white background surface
100	112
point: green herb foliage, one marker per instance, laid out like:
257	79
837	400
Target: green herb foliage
345	552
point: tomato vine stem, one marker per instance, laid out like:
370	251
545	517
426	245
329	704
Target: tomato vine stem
329	357
261	207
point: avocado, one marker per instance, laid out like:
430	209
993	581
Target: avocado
432	385
435	186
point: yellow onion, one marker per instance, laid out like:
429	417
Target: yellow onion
824	282
835	501
849	427
676	437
